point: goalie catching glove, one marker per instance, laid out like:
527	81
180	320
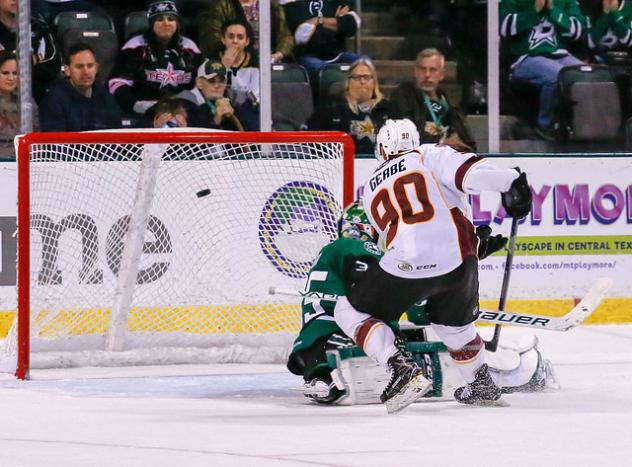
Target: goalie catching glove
488	243
517	200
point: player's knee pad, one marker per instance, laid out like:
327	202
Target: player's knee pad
455	337
469	352
348	318
365	330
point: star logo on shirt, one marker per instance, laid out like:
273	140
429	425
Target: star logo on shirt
543	33
609	39
168	76
363	128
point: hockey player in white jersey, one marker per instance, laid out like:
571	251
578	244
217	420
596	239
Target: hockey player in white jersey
417	201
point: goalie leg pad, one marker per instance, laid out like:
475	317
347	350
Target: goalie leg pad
534	374
364	380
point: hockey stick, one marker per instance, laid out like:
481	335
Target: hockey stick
492	344
573	318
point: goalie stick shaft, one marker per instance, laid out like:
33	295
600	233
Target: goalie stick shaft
492	344
573	318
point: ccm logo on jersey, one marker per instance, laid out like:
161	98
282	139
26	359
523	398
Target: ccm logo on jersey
515	318
387	172
408	267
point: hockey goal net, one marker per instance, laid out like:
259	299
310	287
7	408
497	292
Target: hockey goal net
159	247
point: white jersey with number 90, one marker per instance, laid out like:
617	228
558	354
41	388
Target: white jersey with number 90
418	204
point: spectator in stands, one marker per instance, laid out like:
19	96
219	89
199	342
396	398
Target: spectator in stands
609	38
363	111
537	34
609	26
220	11
209	104
167	113
320	30
423	102
44	52
238	57
156	64
9	105
76	103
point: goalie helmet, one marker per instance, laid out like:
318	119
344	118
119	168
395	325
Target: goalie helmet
394	138
354	223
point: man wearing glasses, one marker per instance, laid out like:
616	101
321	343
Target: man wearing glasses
421	101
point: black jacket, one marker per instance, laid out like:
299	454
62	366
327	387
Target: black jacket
48	57
65	109
144	73
362	126
408	102
201	115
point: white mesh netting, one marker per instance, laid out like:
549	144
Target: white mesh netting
212	227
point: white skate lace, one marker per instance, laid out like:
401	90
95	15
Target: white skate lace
467	392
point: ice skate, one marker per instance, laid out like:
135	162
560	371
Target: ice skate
406	384
481	391
322	390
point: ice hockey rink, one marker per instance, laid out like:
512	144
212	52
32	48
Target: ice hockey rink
251	415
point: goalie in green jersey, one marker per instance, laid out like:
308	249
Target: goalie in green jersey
337	265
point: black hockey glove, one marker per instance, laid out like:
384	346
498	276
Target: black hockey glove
488	244
517	201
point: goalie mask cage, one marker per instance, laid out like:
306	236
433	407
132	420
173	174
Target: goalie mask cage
159	247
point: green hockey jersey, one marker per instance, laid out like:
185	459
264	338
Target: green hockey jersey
611	30
527	32
324	284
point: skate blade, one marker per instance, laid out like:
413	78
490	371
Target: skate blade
414	390
497	403
550	378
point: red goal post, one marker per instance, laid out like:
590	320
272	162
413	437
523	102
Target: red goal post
198	224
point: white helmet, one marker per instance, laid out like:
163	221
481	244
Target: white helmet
396	137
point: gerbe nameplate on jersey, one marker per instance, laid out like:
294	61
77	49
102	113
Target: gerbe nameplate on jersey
387	172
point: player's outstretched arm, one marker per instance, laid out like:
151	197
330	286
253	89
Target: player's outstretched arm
517	200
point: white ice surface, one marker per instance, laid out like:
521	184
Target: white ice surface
248	415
